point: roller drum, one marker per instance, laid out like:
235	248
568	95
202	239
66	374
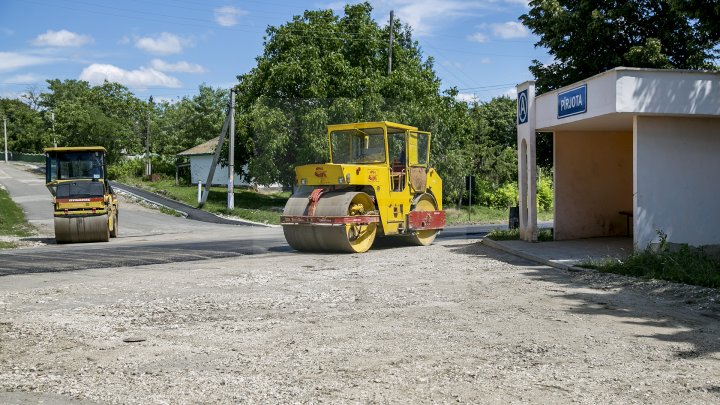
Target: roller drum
326	238
82	229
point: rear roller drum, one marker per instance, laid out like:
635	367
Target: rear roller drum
352	238
82	229
425	237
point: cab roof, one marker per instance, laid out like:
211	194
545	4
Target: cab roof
76	149
374	124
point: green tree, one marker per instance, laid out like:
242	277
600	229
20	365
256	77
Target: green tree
587	37
189	121
106	115
705	12
27	132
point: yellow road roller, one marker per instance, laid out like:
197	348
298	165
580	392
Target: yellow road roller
86	209
378	183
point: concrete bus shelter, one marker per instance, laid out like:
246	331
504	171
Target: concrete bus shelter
636	152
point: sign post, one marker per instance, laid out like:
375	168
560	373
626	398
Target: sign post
469	182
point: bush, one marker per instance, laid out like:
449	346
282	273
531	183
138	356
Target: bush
162	165
545	194
126	168
505	196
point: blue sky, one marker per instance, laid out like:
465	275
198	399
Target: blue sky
167	48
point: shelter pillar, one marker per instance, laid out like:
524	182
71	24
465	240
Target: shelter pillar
527	164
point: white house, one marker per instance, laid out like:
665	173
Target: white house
633	148
201	157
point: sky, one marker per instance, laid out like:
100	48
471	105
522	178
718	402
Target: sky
167	48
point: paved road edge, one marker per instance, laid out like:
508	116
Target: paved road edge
529	256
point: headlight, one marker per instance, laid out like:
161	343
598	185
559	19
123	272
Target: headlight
341	180
347	177
303	181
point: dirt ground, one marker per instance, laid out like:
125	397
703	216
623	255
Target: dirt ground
453	322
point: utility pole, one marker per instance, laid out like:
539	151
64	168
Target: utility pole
5	130
390	42
231	155
52	117
148	163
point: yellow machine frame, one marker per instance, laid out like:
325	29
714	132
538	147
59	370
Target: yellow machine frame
396	191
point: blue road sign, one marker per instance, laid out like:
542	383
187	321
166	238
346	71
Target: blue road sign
572	102
522	112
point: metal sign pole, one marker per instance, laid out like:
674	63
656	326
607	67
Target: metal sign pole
470	182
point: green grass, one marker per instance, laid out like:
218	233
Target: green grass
685	265
484	215
12	218
7	245
250	205
544	235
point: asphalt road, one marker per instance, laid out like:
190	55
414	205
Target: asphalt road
146	236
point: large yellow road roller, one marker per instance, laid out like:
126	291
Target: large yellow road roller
378	183
86	209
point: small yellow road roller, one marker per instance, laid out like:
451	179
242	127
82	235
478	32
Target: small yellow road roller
85	206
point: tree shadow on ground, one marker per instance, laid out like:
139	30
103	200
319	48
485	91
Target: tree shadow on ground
634	301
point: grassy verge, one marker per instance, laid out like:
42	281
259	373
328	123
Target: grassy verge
250	205
12	220
484	215
685	265
544	235
266	208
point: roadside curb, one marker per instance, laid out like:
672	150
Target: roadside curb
119	187
149	202
534	258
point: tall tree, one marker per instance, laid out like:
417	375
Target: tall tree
106	115
587	37
26	129
189	121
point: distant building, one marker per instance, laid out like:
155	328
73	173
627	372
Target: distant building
635	153
201	157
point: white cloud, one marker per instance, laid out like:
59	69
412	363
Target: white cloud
227	16
466	97
485	61
524	3
423	15
62	38
165	44
140	78
510	29
23	78
182	66
512	93
10	61
478	37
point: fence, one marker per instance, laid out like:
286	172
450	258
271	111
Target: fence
25	157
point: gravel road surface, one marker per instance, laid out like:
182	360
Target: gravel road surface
453	322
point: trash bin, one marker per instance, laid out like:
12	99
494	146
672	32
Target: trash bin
514	218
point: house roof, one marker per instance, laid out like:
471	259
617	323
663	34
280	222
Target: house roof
205	148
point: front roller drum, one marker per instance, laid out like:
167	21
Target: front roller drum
93	228
351	238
